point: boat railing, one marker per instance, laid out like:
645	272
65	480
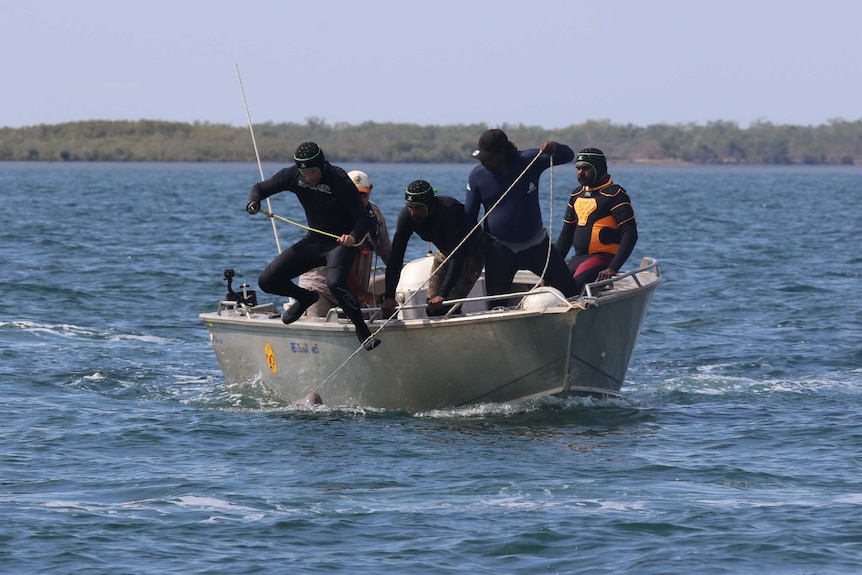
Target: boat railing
244	309
457	303
226	304
375	313
649	266
369	313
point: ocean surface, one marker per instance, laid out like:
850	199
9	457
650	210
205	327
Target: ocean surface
735	448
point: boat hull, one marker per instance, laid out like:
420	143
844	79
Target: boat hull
553	348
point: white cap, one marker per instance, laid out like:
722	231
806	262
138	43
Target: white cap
363	184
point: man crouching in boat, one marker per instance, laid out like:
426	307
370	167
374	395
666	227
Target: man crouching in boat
440	220
337	220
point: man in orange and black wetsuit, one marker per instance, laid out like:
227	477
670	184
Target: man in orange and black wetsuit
599	222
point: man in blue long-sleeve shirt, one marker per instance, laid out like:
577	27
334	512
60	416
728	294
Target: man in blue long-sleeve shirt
517	238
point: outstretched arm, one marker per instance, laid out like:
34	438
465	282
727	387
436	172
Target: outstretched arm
403	231
561	153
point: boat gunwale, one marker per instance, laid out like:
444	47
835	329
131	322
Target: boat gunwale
633	287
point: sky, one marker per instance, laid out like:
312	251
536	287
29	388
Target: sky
442	62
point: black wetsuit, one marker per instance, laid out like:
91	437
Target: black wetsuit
444	227
600	224
333	206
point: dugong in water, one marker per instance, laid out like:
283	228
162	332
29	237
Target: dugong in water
312	398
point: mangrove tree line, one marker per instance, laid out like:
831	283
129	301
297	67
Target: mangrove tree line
836	142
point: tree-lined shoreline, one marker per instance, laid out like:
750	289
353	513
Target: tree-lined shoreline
720	142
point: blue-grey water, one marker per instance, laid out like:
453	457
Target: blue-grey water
736	447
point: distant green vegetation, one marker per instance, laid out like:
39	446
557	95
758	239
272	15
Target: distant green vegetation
837	142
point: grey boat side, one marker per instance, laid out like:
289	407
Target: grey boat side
544	346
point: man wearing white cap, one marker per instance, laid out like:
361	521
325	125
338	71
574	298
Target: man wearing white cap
360	275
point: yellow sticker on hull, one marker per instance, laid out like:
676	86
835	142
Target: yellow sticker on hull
270	358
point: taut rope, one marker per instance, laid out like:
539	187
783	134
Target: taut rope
425	283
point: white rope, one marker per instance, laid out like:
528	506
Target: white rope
461	243
257	155
425	283
447	258
551	200
550	228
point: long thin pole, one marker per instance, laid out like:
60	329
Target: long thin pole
257	155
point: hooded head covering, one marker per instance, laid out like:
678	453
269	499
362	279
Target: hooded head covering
309	155
594	158
419	192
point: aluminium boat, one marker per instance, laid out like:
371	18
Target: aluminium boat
540	344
